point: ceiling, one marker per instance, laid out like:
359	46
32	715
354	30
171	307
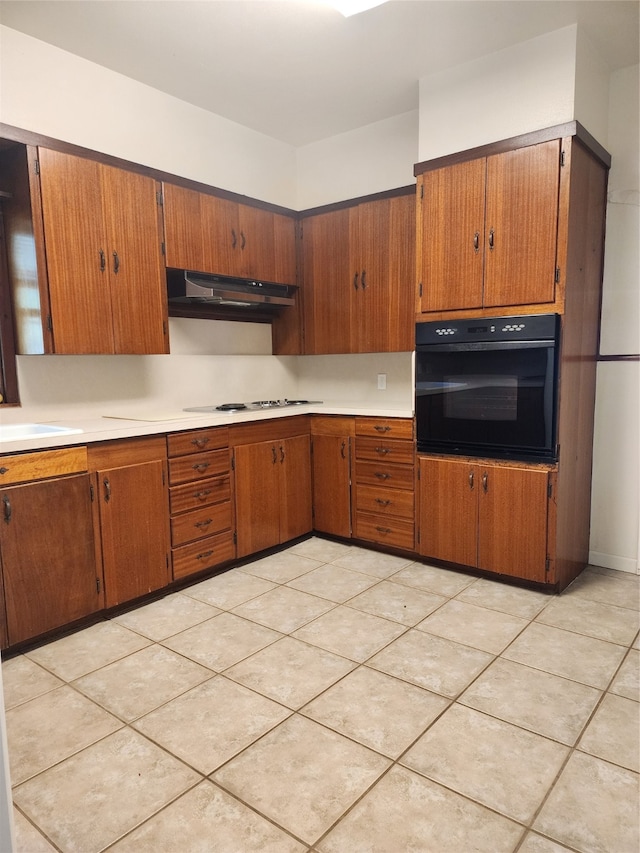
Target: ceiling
297	70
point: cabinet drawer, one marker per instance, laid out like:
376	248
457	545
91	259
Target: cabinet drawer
197	440
383	501
388	427
203	554
394	532
384	449
378	473
201	493
332	425
183	469
200	523
23	467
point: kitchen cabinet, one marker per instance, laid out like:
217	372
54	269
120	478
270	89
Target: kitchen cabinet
211	234
200	500
488	231
487	515
50	576
384	489
331	441
272	476
130	480
358	266
102	237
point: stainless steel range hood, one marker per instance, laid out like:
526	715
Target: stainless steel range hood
193	288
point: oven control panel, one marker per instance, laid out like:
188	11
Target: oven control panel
536	327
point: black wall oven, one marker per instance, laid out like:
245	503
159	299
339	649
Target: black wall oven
488	387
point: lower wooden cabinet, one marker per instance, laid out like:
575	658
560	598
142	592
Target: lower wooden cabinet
331	440
487	515
132	509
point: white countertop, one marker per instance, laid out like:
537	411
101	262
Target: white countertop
132	423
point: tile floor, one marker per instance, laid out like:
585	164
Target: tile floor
336	700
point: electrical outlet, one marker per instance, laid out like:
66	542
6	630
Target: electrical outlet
382	381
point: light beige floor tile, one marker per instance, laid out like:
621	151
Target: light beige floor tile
90	800
350	633
406	812
619	588
222	641
538	701
433	579
434	663
28	839
496	764
208	820
298	763
333	582
535	843
377	710
168	616
281	567
397	602
614	733
593	807
627	681
290	671
593	618
564	653
52	727
229	589
142	681
323	550
636	643
87	650
211	723
283	609
23	680
372	563
504	597
487	630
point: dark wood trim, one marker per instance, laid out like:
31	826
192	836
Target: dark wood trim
619	357
410	189
571	128
9	376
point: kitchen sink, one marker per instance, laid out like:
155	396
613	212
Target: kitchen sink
19	432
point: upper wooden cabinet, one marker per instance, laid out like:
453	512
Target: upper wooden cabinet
216	235
358	267
102	239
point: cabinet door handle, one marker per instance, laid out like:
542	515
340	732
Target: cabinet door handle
274	455
476	242
491	239
382	502
200	466
200	442
281	454
355	281
485	482
7	509
363	279
116	263
342	449
380	428
107	489
103	260
204	523
234	239
471	479
243	240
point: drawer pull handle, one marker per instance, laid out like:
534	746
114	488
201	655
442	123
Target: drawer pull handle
203	494
7	509
200	466
382	502
204	523
383	450
383	529
382	476
3	470
205	554
380	428
200	442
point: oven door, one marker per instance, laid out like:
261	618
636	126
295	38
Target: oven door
495	399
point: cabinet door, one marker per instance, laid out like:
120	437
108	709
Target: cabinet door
222	242
256	489
513	506
134	523
332	485
295	487
449	510
522	225
136	265
77	254
328	282
451	237
184	245
48	555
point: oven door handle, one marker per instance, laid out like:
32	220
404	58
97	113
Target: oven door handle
478	346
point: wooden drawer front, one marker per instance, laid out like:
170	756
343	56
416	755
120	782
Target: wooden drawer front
384	450
200	523
377	473
201	493
386	427
383	501
203	554
332	425
197	440
394	532
198	466
23	467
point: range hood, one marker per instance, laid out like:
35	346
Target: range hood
194	288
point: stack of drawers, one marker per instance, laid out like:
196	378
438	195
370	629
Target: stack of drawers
384	482
200	500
